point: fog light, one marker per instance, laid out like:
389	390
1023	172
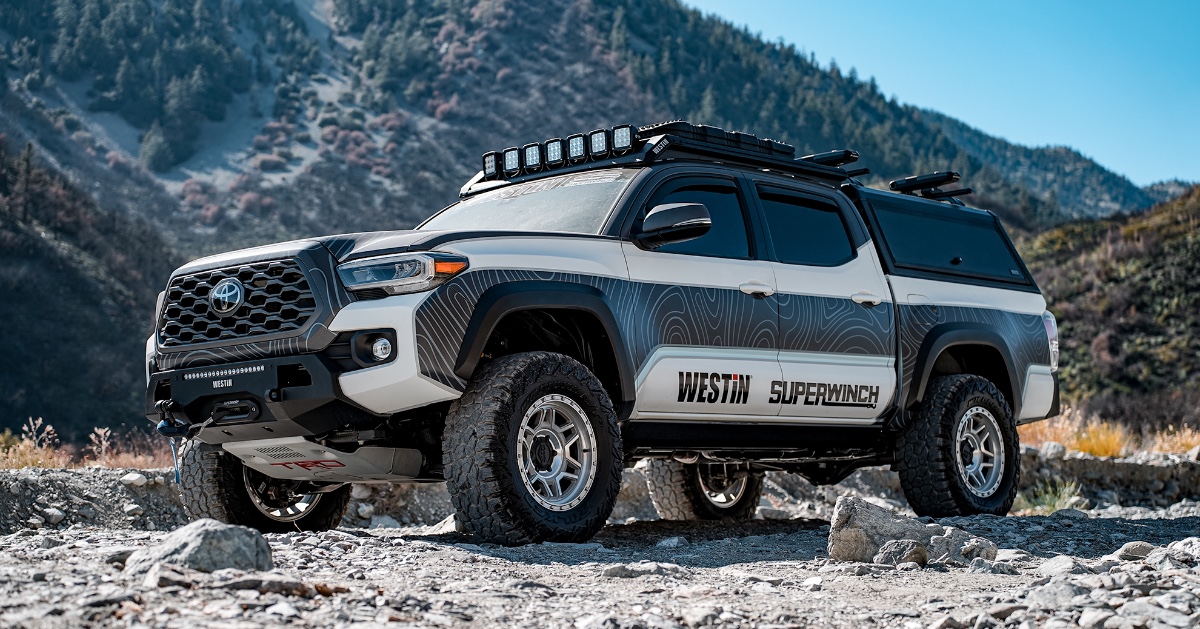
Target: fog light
381	349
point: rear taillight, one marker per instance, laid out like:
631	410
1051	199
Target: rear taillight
1052	337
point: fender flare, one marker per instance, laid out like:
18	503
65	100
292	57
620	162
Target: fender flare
944	336
504	299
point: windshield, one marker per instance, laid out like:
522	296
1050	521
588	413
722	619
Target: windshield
578	203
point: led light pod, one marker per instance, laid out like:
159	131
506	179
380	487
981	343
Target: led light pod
531	157
622	139
512	161
576	148
555	156
598	143
491	165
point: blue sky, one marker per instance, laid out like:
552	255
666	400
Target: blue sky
1118	81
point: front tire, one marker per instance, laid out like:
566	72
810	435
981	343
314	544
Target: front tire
703	491
960	455
532	451
215	484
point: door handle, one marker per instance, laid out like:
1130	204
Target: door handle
866	298
755	288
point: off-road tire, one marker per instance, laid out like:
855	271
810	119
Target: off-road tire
480	451
925	451
211	486
677	495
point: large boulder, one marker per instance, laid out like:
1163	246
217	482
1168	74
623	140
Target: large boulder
860	529
206	546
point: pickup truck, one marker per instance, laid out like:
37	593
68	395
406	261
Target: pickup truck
700	300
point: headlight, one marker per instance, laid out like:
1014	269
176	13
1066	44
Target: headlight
400	274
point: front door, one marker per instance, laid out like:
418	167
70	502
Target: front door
703	322
836	317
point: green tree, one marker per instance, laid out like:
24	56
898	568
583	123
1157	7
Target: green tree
155	151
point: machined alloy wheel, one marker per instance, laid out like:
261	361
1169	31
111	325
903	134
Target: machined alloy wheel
533	451
723	484
980	459
275	498
556	447
702	491
960	453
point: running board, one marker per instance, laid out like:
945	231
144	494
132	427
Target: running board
295	458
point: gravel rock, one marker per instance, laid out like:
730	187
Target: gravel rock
859	529
1133	551
672	542
1093	617
133	509
1052	450
1055	595
1062	564
898	551
1146	611
762	573
206	545
641	569
384	522
134	479
53	515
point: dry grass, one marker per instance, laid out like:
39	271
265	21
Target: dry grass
1175	440
1099	437
38	446
1046	498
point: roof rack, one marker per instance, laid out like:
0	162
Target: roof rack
624	144
734	148
929	186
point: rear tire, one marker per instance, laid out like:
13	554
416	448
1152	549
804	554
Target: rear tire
960	455
702	491
525	426
215	484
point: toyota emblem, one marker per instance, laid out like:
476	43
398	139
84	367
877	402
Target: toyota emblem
227	296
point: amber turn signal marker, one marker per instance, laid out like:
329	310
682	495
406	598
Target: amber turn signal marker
448	267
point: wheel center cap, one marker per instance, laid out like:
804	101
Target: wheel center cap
542	453
970	453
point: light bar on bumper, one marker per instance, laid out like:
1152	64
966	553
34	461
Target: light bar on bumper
402	273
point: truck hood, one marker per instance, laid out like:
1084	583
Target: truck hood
345	247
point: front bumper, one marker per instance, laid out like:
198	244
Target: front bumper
261	399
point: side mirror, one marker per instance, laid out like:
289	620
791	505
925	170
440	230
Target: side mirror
673	222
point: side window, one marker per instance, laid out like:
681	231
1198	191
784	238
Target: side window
805	230
727	237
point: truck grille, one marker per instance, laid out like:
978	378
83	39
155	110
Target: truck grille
277	299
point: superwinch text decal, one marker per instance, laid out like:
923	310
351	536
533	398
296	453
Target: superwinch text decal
824	394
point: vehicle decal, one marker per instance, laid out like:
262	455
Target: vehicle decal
1025	335
824	394
652	315
713	387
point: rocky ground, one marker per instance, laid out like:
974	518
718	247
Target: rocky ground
89	548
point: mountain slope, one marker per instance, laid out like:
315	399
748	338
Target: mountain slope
361	114
1080	187
77	289
1126	292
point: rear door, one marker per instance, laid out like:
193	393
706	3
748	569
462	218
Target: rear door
701	322
836	317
